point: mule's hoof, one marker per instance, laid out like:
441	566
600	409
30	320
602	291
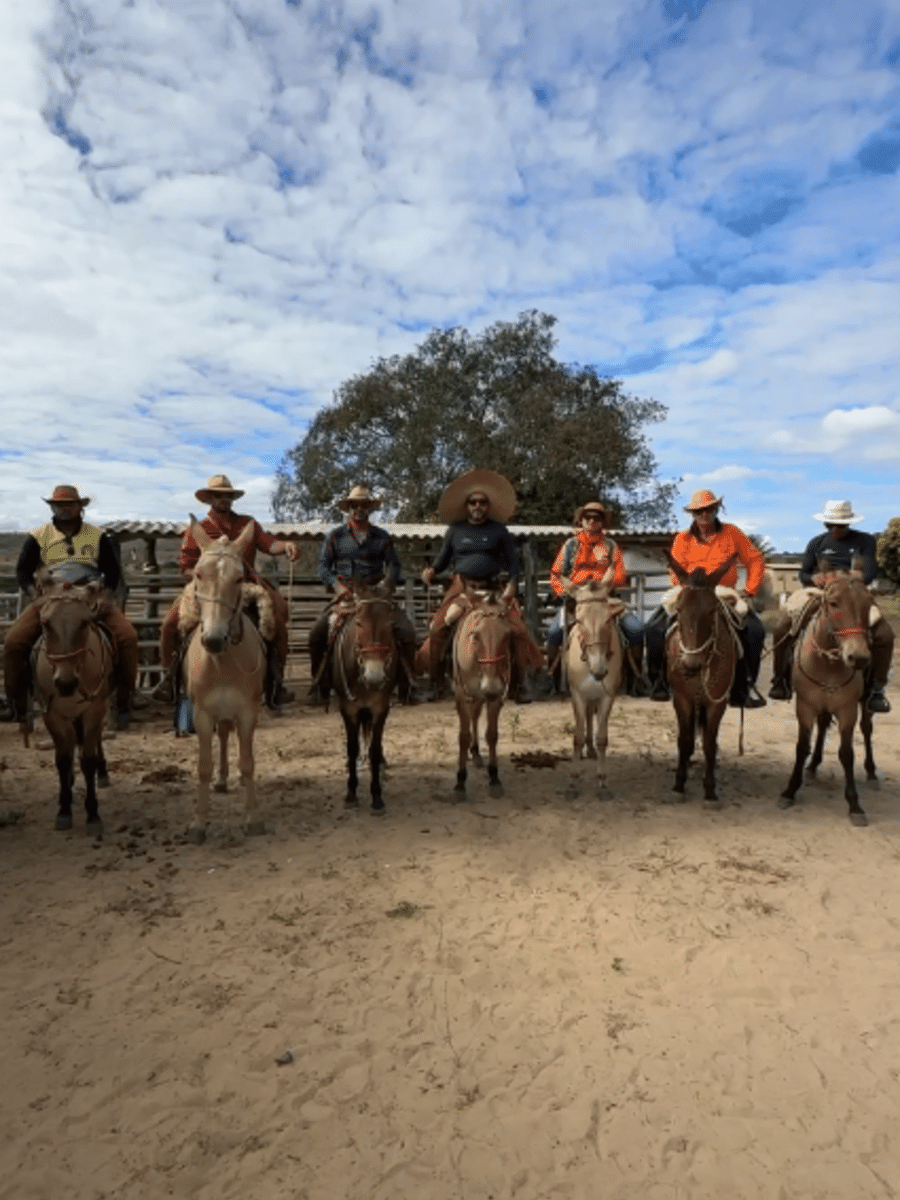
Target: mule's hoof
477	760
859	818
220	787
102	781
351	802
377	808
605	793
495	789
196	836
786	801
63	821
94	827
590	752
874	783
255	828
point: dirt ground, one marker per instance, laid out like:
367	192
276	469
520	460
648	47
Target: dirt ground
542	995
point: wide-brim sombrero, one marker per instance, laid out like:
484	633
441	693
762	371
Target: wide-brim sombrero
497	488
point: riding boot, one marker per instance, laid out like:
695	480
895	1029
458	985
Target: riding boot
318	649
17	674
882	652
782	649
275	692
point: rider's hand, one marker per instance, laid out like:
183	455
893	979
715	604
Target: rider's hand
508	593
427	575
291	552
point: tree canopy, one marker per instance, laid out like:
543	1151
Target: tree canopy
887	552
561	434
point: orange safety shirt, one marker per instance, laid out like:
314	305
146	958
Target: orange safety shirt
691	552
591	562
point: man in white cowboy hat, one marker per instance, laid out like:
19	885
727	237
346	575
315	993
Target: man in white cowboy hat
67	538
842	548
478	548
708	543
358	551
220	521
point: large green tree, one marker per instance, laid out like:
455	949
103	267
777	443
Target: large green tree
561	434
887	551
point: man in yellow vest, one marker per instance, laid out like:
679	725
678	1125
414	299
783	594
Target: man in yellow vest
68	539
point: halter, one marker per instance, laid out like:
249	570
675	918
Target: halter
832	654
582	639
364	650
483	660
237	634
56	659
709	644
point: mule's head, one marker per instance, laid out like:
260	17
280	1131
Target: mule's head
218	580
67	615
489	634
374	632
696	608
594	633
847	604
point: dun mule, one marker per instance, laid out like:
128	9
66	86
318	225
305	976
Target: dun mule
75	673
594	663
830	658
481	673
701	655
364	669
224	668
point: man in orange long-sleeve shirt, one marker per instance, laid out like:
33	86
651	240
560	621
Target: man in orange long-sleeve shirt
708	543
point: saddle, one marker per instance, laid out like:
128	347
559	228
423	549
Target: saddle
255	602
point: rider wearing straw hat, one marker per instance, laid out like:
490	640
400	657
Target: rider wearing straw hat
220	521
479	547
841	547
67	538
358	551
708	543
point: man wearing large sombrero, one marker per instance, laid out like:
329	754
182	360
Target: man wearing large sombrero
358	551
478	548
841	547
68	538
221	521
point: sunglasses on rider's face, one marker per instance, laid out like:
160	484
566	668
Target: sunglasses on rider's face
481	501
592	516
710	508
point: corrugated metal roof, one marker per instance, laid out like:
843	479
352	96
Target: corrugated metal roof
317	529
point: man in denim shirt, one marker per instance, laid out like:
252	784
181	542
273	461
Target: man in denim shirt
360	552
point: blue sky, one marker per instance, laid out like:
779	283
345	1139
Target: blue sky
212	213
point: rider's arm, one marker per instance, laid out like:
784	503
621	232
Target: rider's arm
752	558
328	562
810	564
392	564
556	570
866	551
445	553
28	563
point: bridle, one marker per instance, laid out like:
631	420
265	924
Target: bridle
832	654
365	651
478	617
236	627
80	651
707	649
584	641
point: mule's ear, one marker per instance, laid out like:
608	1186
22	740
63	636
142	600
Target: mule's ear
726	566
198	533
245	537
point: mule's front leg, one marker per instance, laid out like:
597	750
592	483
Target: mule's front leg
93	825
352	730
805	721
578	711
686	735
710	746
203	724
865	725
246	727
495	787
603	711
845	754
223	729
465	738
65	760
376	758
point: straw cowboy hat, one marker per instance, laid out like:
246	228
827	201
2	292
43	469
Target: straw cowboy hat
702	499
359	495
594	506
498	489
217	485
66	493
838	512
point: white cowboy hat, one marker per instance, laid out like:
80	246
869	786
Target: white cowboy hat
359	495
497	488
838	512
217	485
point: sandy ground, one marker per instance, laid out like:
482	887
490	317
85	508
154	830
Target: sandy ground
541	995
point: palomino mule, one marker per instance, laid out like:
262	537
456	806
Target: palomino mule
482	663
594	665
74	671
830	659
224	670
701	654
364	669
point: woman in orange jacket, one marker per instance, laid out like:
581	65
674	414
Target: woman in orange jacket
708	543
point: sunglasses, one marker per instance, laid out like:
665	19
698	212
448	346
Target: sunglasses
478	503
710	508
592	516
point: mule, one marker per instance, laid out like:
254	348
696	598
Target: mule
701	654
224	672
482	664
74	671
830	659
594	666
364	672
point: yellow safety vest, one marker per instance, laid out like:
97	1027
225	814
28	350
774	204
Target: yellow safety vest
55	547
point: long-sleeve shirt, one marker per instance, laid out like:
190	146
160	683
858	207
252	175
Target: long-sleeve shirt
367	560
30	559
588	558
691	552
230	524
840	553
479	552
